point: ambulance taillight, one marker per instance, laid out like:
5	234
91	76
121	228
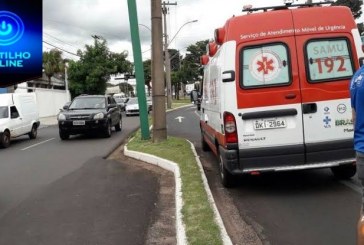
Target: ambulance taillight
231	135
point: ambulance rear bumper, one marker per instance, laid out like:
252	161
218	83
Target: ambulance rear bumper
289	158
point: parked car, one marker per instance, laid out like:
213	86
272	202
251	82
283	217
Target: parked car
132	107
18	116
90	114
121	102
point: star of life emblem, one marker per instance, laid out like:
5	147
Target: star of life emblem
265	66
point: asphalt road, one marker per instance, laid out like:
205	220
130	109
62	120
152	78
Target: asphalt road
66	192
305	207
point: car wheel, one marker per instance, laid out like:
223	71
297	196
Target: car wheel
63	135
227	179
5	139
33	133
344	172
107	130
118	126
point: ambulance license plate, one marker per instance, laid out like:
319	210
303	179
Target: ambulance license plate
269	124
78	123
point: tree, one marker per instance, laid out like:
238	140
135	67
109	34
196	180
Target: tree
193	59
126	88
121	63
189	68
91	72
354	5
52	63
175	58
360	28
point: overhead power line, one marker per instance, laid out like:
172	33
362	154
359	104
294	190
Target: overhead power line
61	49
59	40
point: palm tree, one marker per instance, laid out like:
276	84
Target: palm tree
52	63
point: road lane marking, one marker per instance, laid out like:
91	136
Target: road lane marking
352	186
26	148
179	118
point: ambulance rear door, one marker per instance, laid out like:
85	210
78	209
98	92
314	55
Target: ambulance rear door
269	102
326	72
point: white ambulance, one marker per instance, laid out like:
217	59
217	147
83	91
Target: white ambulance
275	92
18	116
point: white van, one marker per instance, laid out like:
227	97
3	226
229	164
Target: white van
276	92
18	116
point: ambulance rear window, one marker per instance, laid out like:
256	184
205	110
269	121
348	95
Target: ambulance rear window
328	59
264	66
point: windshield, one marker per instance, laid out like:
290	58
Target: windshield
87	103
4	112
133	101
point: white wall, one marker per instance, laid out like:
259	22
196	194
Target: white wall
49	101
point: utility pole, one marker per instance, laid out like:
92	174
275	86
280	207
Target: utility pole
139	71
167	60
159	103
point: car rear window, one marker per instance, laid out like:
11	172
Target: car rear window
264	66
328	59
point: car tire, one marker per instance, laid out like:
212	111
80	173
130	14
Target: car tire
118	126
5	139
107	130
344	172
227	179
34	132
63	135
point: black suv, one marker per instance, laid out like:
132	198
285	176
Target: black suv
89	114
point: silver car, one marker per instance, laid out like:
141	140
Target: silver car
132	107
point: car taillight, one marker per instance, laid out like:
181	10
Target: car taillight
231	135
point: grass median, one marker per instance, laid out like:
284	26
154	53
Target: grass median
198	215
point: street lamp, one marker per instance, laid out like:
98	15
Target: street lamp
189	22
146	27
167	61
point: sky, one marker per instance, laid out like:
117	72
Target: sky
70	24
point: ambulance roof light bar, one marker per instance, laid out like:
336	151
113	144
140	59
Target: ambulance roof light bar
288	4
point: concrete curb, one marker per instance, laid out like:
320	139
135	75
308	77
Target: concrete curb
224	236
173	167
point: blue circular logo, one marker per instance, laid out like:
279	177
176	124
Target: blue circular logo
11	28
